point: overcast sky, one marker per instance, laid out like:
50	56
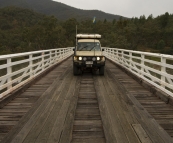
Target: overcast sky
127	8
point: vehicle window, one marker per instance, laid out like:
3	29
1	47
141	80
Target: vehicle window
88	46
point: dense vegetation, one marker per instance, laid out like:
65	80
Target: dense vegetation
23	30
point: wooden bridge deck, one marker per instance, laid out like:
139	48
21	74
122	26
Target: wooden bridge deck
89	108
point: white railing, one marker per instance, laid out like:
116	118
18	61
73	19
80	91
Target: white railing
157	69
17	69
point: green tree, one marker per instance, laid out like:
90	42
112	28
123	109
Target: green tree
150	17
114	21
164	19
105	21
142	19
70	27
161	45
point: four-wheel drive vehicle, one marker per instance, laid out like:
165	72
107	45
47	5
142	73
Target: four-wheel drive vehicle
88	54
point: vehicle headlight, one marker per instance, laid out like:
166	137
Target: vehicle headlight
93	58
80	58
75	58
98	58
84	58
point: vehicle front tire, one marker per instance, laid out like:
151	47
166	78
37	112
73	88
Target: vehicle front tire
75	70
101	70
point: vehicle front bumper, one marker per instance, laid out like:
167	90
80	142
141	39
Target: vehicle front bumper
83	64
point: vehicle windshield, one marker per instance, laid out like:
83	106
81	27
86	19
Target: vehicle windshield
88	46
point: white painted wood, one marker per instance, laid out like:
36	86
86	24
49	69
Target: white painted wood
34	64
155	68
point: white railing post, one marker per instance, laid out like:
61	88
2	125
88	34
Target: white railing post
163	70
50	56
117	55
56	55
105	51
63	53
9	71
30	64
109	53
122	58
42	61
142	64
114	54
130	60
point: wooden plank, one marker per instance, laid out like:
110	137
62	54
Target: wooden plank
122	112
147	120
115	127
25	100
13	110
17	107
85	95
144	138
155	133
10	118
128	105
143	96
109	135
96	140
31	93
2	135
8	123
88	135
88	111
57	82
5	129
66	135
87	100
87	128
42	127
88	106
87	122
59	124
73	87
33	133
18	104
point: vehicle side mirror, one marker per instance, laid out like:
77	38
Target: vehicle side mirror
103	49
73	49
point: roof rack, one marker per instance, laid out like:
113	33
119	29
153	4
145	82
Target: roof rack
88	36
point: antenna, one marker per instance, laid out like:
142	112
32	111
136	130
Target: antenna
76	36
76	40
94	43
94	21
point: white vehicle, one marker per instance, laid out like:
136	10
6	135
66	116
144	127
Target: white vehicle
88	54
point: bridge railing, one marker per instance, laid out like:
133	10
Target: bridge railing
157	69
17	69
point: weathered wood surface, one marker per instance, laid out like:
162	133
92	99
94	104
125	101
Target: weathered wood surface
87	126
148	110
22	111
63	108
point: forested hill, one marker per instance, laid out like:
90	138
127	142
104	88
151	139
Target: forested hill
23	30
59	10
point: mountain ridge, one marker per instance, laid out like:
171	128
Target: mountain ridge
59	10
